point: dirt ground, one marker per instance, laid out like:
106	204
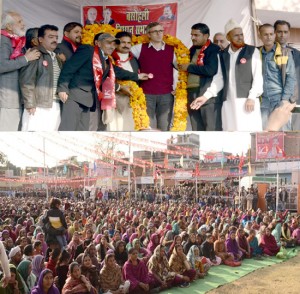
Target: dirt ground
280	278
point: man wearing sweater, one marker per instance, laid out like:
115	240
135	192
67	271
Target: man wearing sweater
157	58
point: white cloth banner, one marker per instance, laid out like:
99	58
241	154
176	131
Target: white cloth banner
214	13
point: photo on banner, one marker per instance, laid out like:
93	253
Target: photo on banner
133	18
269	146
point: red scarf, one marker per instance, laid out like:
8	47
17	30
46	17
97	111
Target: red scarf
201	53
107	95
17	43
74	45
117	59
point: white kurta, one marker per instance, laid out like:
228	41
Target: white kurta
234	115
122	115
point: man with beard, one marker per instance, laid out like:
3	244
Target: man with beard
201	69
87	76
123	119
71	40
12	58
39	83
240	77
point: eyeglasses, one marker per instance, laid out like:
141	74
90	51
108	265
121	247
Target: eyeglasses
157	32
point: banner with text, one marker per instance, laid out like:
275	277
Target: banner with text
269	145
133	18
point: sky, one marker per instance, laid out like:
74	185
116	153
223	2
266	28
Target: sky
35	149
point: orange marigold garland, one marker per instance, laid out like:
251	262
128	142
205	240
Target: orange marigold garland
138	100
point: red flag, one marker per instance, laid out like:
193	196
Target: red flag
85	169
197	170
166	162
40	170
242	158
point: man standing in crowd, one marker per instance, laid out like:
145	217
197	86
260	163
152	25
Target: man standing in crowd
39	83
278	73
71	40
240	77
156	58
220	40
90	75
282	31
12	41
203	66
123	118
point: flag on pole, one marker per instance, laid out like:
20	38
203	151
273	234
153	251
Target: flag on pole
95	166
85	169
197	170
249	161
166	161
65	170
241	162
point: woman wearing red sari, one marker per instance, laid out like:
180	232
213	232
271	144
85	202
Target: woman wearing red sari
269	244
77	283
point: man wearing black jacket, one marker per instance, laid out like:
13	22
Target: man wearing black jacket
71	40
201	69
87	76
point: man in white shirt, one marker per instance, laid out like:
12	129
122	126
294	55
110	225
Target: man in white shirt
240	76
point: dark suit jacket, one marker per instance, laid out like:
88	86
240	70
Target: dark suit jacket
65	48
207	71
77	77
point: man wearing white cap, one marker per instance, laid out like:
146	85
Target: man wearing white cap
240	76
15	256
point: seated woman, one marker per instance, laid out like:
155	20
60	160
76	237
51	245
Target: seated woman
62	268
207	250
179	264
276	232
136	272
177	241
232	246
76	282
102	248
160	272
256	251
221	251
296	235
91	251
154	242
195	261
191	241
15	285
38	265
27	277
121	254
90	271
45	284
111	279
243	243
143	253
269	244
287	236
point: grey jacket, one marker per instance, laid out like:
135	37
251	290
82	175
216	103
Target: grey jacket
9	75
36	81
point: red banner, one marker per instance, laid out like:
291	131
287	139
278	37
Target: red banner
133	18
269	145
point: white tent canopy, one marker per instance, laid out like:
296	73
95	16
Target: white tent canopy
215	13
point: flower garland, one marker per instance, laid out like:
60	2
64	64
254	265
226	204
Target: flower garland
138	98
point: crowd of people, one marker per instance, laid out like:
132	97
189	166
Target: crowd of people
125	245
231	86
